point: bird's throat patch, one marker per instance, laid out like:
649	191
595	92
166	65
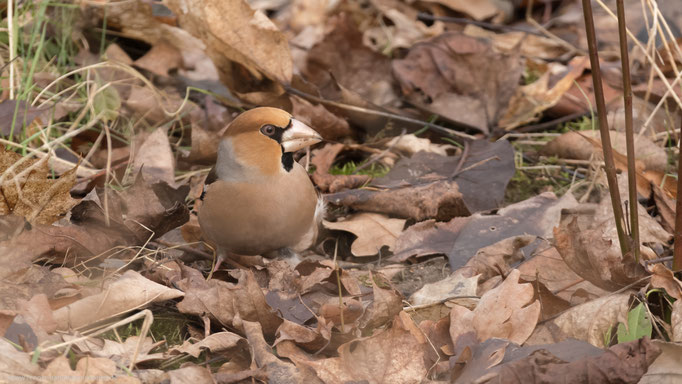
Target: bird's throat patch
287	160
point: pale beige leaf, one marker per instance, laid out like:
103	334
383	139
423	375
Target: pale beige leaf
588	322
372	229
131	291
506	311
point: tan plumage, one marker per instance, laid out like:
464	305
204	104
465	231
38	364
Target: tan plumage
257	199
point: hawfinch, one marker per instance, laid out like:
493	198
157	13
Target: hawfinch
256	198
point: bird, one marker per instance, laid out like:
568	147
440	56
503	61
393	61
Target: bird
257	199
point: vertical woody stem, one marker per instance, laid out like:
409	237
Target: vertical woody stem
609	165
629	135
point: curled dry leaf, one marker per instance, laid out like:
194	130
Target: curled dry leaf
676	321
499	258
243	43
577	145
569	362
374	231
443	75
86	368
662	277
154	159
323	159
427	238
531	100
667	367
131	291
27	191
535	216
589	321
531	46
507	311
452	286
278	371
548	268
328	66
161	58
220	342
121	353
15	365
403	33
394	355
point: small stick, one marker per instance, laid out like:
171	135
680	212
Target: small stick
348	107
610	167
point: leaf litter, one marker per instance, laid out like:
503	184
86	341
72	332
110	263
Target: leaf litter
424	270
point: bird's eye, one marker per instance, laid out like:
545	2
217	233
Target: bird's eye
268	130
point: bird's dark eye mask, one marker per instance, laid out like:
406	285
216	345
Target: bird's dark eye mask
274	132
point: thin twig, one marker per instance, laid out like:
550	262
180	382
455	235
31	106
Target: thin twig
388	115
610	167
629	134
461	20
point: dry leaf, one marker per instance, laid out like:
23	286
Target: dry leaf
154	159
667	367
589	322
244	44
443	75
507	311
162	58
374	231
391	356
27	191
131	291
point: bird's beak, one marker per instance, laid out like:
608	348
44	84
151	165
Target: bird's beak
299	136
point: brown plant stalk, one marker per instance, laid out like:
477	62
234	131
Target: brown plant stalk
629	135
609	164
677	250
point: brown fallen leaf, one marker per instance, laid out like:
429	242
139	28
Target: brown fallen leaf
443	75
278	371
662	277
247	48
87	368
506	311
427	238
121	353
454	285
219	342
531	46
394	355
479	10
327	124
588	322
16	365
154	160
666	369
374	231
131	291
27	191
368	74
534	216
531	100
251	306
323	159
497	259
666	208
548	268
160	59
568	361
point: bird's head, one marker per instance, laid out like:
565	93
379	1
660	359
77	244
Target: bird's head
264	139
